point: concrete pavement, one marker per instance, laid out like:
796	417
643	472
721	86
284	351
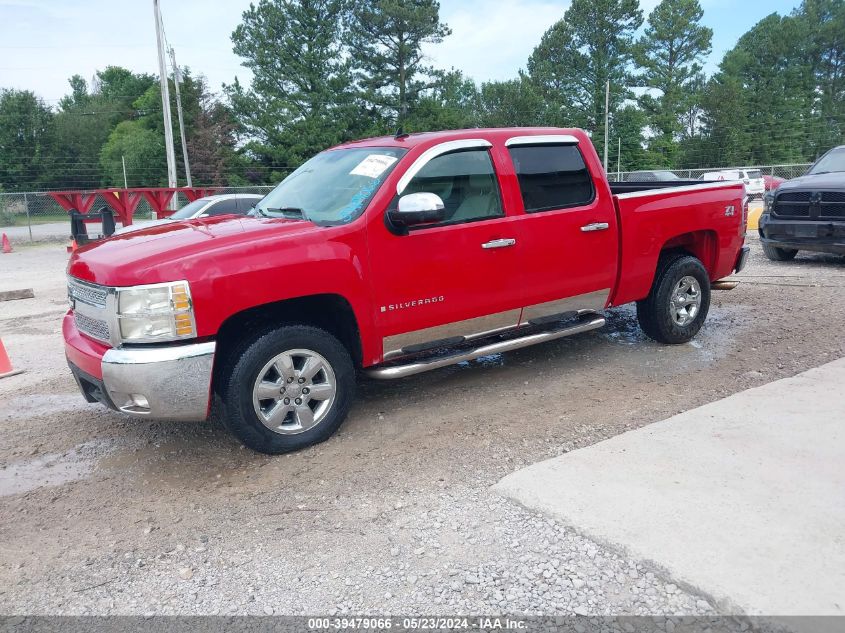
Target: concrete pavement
743	498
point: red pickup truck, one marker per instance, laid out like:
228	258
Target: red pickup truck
390	256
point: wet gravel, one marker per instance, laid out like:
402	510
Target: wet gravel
392	515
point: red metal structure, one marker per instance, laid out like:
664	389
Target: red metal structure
124	202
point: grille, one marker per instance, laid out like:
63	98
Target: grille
92	295
833	210
92	327
791	210
833	196
794	196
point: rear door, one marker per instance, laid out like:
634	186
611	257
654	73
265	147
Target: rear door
568	235
442	283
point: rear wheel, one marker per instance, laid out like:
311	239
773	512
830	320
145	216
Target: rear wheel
679	301
779	254
286	389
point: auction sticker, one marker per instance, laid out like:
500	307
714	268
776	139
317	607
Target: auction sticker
373	165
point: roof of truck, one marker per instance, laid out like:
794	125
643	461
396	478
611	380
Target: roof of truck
425	138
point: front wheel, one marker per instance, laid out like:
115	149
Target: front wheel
286	389
677	305
779	254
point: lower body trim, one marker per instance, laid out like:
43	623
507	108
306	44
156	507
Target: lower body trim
585	323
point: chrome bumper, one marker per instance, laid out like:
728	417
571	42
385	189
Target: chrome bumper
165	383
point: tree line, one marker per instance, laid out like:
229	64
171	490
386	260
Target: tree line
328	71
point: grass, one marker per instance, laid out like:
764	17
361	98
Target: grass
17	219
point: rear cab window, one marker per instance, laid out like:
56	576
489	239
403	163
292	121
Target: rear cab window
552	176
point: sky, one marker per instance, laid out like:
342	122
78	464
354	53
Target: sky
44	42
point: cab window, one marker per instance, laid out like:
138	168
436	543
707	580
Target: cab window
552	177
466	182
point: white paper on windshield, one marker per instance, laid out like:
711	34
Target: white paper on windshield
373	165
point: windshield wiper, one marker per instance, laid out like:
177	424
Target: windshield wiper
294	211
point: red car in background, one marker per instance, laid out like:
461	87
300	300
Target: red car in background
772	182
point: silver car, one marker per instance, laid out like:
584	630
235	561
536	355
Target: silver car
209	206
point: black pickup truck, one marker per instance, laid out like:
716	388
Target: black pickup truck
807	213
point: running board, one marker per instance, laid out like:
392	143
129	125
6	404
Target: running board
585	324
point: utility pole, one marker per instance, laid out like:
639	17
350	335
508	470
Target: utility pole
123	160
606	122
619	160
165	102
177	77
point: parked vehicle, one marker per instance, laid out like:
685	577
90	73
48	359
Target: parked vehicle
390	256
755	185
207	207
772	182
807	213
651	176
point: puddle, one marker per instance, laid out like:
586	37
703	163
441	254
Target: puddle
491	360
49	469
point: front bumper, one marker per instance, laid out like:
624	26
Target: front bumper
822	236
163	382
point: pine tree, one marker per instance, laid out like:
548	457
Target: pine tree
577	56
670	54
300	99
385	42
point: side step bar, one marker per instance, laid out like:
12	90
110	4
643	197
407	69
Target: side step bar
586	323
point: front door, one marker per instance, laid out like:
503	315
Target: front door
442	283
568	232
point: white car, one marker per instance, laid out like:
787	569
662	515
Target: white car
755	186
209	206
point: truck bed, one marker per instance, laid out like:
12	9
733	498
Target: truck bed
706	219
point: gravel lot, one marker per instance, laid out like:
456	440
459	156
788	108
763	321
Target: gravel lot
100	514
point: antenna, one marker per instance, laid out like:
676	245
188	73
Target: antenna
400	134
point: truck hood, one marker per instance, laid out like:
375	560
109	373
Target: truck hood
833	180
180	250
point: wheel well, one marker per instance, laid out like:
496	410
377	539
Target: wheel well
328	312
702	245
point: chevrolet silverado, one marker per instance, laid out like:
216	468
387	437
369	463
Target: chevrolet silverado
388	256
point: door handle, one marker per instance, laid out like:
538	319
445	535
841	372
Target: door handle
503	243
595	226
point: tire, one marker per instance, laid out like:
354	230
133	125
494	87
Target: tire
779	254
279	423
659	314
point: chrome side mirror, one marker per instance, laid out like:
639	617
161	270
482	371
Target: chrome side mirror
418	208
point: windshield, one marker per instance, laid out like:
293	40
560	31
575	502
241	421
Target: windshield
334	187
833	161
189	209
754	174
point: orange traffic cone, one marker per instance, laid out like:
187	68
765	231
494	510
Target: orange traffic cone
72	246
6	364
7	247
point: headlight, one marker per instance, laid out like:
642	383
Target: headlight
768	198
159	312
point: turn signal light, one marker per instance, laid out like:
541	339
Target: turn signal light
183	324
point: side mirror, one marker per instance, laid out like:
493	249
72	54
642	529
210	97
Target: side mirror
417	208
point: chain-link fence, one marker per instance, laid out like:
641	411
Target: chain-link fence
36	208
778	171
30	210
